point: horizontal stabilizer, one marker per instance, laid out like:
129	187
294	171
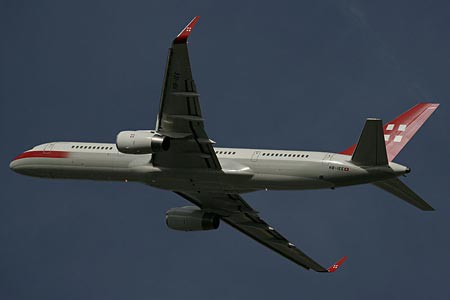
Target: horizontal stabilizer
396	187
371	150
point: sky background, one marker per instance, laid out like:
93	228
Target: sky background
276	74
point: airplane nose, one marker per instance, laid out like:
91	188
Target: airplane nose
13	165
25	164
18	165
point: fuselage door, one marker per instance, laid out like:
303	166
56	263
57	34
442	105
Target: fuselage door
49	147
255	155
327	158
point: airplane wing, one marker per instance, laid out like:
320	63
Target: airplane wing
179	114
234	211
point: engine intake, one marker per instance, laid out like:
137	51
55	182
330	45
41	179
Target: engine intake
191	218
141	142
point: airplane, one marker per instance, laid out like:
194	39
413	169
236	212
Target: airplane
179	156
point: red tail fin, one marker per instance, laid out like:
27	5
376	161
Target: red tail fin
399	131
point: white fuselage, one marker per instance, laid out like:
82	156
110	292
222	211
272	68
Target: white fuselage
243	170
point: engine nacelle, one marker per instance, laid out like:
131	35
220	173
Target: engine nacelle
142	142
191	218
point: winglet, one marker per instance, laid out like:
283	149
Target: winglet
184	34
334	267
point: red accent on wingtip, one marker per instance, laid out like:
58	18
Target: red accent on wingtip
184	34
336	266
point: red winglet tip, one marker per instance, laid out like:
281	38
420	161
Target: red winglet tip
184	34
334	267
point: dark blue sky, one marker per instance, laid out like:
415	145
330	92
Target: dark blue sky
289	75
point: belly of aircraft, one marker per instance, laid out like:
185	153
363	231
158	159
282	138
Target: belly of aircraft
233	183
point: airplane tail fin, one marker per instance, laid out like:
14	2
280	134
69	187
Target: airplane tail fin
371	150
396	187
400	131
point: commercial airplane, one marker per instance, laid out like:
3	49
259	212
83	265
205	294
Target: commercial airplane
179	156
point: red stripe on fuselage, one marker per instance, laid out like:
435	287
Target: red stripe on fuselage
43	154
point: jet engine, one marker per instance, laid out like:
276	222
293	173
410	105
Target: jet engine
141	142
191	218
